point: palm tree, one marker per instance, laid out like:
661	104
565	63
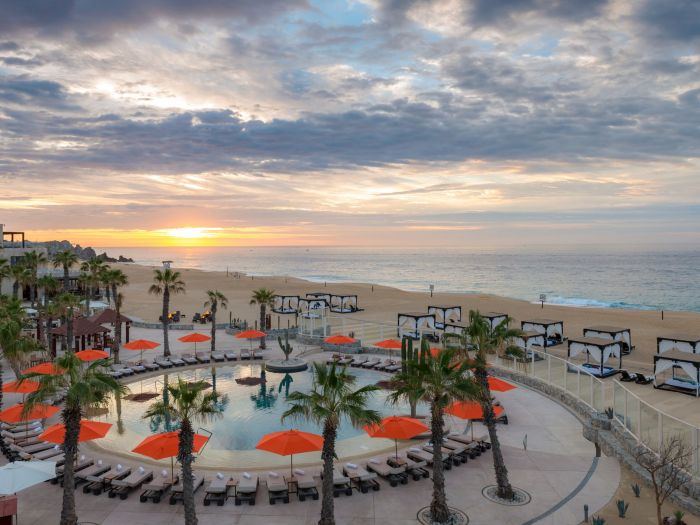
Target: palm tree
85	387
216	299
22	276
68	304
189	403
66	260
32	260
485	339
49	284
166	282
264	298
51	311
93	268
14	346
5	271
115	279
441	381
331	399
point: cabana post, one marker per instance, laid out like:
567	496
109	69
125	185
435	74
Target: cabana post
445	314
686	361
600	350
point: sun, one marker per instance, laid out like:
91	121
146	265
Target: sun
189	233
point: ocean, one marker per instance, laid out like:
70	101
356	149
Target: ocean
584	277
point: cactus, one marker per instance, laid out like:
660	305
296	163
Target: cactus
636	489
622	508
610	412
286	347
597	520
424	350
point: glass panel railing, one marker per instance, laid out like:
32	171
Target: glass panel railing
649	426
619	403
632	421
558	373
540	366
585	394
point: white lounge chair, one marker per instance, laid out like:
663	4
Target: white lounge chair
100	467
189	359
306	484
218	489
277	488
341	484
231	356
394	475
371	363
218	357
177	492
247	489
122	487
363	479
99	483
359	361
157	487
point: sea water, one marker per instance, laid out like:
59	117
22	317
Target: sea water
640	278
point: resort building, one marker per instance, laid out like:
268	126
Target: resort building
13	247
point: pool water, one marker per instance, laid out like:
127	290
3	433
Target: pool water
250	412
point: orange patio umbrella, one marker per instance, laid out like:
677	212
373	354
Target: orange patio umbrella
89	430
14	414
470	410
339	340
498	385
290	442
141	345
48	369
396	427
91	355
26	386
389	344
250	335
194	338
165	445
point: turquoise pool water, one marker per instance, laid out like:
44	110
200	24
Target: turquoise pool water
251	411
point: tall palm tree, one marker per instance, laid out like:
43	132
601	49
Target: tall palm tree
264	298
5	271
50	312
483	340
49	284
32	260
66	260
22	277
331	399
442	381
115	279
85	387
166	282
93	268
189	403
216	299
14	346
68	305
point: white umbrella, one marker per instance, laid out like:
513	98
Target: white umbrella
23	474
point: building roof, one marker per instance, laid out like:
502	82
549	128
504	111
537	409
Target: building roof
81	326
108	316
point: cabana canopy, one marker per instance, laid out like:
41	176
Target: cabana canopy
414	324
600	350
311	308
552	330
682	342
444	314
526	340
285	304
108	316
494	318
686	361
624	335
81	326
343	304
319	295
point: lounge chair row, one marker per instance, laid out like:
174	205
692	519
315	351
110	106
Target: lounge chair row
388	365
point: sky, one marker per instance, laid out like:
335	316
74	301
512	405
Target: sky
351	122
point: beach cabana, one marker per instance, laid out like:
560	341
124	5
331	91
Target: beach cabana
311	308
494	318
343	304
553	331
624	335
526	340
445	314
415	324
285	304
601	350
687	362
681	342
455	327
319	295
84	331
109	316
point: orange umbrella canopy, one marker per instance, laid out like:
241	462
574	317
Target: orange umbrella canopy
498	385
470	410
48	369
91	355
389	344
165	445
15	414
141	344
339	340
194	338
89	430
21	387
396	427
434	351
250	334
289	442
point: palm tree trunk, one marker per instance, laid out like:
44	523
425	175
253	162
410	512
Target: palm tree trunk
213	327
71	418
32	290
439	510
49	326
166	308
69	331
414	407
65	277
328	455
184	456
262	326
15	289
117	326
505	491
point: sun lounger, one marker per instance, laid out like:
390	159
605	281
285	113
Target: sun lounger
460	450
218	489
417	469
53	454
363	479
247	489
277	488
20	427
245	356
98	484
177	492
176	361
393	368
218	357
371	363
341	484
151	367
417	454
384	364
123	370
23	441
190	360
359	361
394	475
446	452
138	368
306	485
258	355
32	449
163	363
480	440
231	356
472	450
344	361
157	487
333	359
93	470
21	435
122	487
203	358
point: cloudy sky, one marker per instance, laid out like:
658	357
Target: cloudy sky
367	122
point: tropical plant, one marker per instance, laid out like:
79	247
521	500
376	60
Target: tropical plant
332	398
216	300
94	269
68	304
14	345
22	277
115	279
49	284
636	489
484	339
622	507
84	387
32	260
597	520
5	271
50	312
440	381
285	347
65	259
165	283
188	404
264	298
409	385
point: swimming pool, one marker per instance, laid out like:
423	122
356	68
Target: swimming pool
251	411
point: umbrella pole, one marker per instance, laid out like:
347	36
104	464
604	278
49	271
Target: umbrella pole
172	470
291	465
396	445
